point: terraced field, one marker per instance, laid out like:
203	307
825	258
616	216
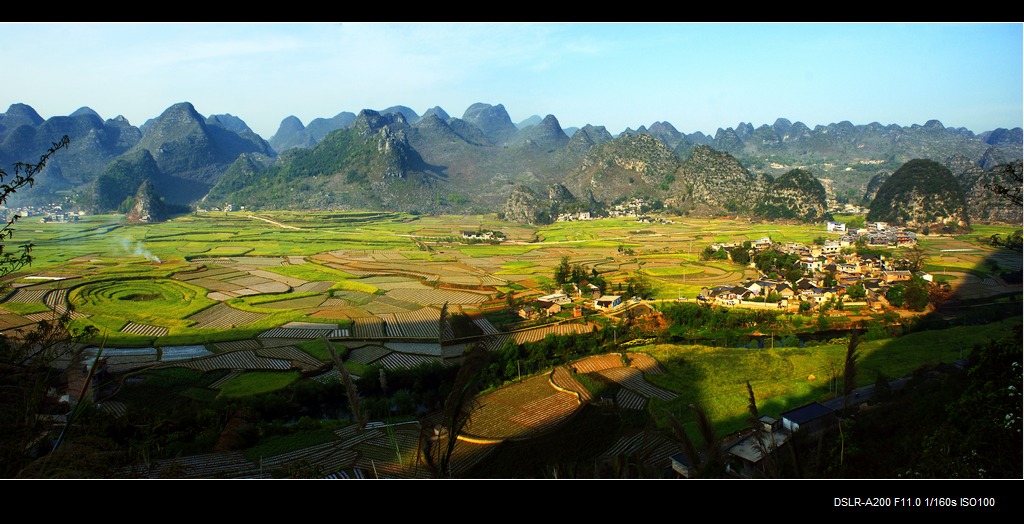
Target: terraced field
518	411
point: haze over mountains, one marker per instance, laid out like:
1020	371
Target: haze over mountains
483	162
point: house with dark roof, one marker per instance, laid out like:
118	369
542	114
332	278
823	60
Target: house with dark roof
811	418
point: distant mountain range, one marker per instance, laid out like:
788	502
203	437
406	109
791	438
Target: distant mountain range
483	162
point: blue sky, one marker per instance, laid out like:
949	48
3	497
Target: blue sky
699	77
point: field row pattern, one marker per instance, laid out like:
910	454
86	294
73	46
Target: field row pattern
225	379
237	360
538	334
368	327
52	316
145	330
416	348
314	287
57	300
496	342
329	456
27	295
224	316
645	363
303	333
438	296
485	326
330	377
634	379
515	411
655	449
114	407
289	353
547	412
232	464
367	354
628	399
393	361
561	377
597	363
239	344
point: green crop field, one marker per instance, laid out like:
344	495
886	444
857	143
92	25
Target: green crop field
277	281
256	382
147	283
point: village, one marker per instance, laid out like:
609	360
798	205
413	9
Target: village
832	272
49	213
825	276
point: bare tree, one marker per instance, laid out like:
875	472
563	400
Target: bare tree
350	388
1012	186
439	439
850	369
708	460
764	439
23	175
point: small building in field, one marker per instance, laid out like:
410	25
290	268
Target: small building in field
895	276
557	298
527	312
608	302
811	418
749	452
549	308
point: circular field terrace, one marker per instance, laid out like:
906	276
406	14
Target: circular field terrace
139	299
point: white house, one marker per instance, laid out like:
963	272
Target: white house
608	302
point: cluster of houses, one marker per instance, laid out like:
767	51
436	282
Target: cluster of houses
874	233
555	303
631	208
484	235
574	217
636	207
875	272
50	213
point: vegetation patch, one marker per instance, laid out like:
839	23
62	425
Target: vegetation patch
257	382
163	298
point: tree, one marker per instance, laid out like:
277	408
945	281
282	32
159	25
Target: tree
23	175
915	258
563	272
30	361
1012	188
741	255
856	291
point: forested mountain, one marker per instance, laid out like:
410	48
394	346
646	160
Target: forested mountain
396	159
921	193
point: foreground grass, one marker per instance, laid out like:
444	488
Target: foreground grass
785	378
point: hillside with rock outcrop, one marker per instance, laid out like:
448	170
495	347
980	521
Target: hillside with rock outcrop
715	183
984	202
630	166
394	159
796	195
921	194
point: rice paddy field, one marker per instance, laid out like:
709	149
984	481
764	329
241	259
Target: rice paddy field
211	277
248	297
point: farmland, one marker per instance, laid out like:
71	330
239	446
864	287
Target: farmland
239	303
